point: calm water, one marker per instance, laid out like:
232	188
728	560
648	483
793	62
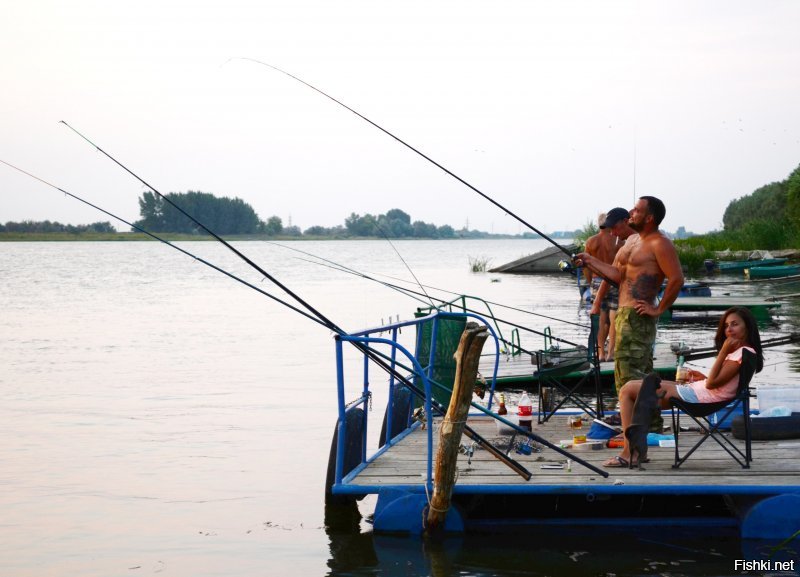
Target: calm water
158	417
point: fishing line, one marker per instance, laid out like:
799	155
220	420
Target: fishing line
355	272
416	296
179	249
377	226
404	143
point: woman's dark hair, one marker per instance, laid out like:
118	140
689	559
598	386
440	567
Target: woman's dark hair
753	336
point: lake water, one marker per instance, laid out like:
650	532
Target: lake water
158	417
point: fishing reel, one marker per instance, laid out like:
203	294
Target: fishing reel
566	266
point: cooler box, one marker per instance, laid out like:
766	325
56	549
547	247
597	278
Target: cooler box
772	397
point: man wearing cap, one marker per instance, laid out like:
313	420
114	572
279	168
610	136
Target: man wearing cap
607	298
639	269
603	246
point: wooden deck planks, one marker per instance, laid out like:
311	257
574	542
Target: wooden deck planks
776	463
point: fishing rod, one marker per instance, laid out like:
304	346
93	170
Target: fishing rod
366	350
407	145
166	242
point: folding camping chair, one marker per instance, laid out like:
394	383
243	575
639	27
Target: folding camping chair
555	363
700	413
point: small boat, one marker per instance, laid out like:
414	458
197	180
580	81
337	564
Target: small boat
693	289
740	265
778	271
544	261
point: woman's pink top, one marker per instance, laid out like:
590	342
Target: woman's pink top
726	391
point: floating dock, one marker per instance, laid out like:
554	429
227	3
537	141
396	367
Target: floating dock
709	489
510	480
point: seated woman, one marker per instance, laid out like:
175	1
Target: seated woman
737	329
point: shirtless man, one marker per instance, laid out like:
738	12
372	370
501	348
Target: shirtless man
607	298
604	247
640	268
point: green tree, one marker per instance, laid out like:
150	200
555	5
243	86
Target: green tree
221	215
273	226
793	196
765	203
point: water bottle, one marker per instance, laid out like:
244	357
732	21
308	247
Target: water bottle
525	411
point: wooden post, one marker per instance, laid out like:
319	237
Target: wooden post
467	357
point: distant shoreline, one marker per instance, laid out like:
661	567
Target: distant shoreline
139	237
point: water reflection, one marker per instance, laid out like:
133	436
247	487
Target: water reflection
545	550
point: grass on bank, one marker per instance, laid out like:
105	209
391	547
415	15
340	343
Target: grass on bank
755	235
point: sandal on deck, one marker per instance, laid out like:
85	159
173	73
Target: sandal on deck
616	462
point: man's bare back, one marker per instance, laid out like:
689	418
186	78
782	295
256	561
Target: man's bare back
603	245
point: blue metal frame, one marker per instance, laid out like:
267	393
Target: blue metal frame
341	485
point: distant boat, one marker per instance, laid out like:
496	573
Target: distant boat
772	271
544	261
740	265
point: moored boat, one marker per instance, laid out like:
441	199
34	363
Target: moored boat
740	265
778	271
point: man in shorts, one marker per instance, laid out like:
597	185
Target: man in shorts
639	269
602	245
607	297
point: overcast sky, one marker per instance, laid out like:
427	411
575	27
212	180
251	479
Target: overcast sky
556	109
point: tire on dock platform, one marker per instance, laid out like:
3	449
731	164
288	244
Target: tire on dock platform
354	442
401	413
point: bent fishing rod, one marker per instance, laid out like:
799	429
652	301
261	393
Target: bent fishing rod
423	155
166	242
323	320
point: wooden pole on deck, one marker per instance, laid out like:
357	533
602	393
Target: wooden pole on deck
467	357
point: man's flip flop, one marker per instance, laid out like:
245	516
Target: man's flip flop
616	462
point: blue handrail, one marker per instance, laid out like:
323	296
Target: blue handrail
416	369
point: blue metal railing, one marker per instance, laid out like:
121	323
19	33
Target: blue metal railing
414	371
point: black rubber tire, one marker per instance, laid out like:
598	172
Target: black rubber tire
401	412
354	426
768	428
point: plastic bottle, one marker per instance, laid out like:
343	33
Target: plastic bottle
501	408
525	411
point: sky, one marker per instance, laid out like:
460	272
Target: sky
557	110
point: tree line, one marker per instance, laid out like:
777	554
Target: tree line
46	226
228	216
233	216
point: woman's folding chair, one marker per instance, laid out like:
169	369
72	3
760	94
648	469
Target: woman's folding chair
700	413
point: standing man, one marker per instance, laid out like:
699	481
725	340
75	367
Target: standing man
607	299
602	246
639	269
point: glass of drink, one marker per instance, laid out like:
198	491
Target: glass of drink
576	422
682	375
